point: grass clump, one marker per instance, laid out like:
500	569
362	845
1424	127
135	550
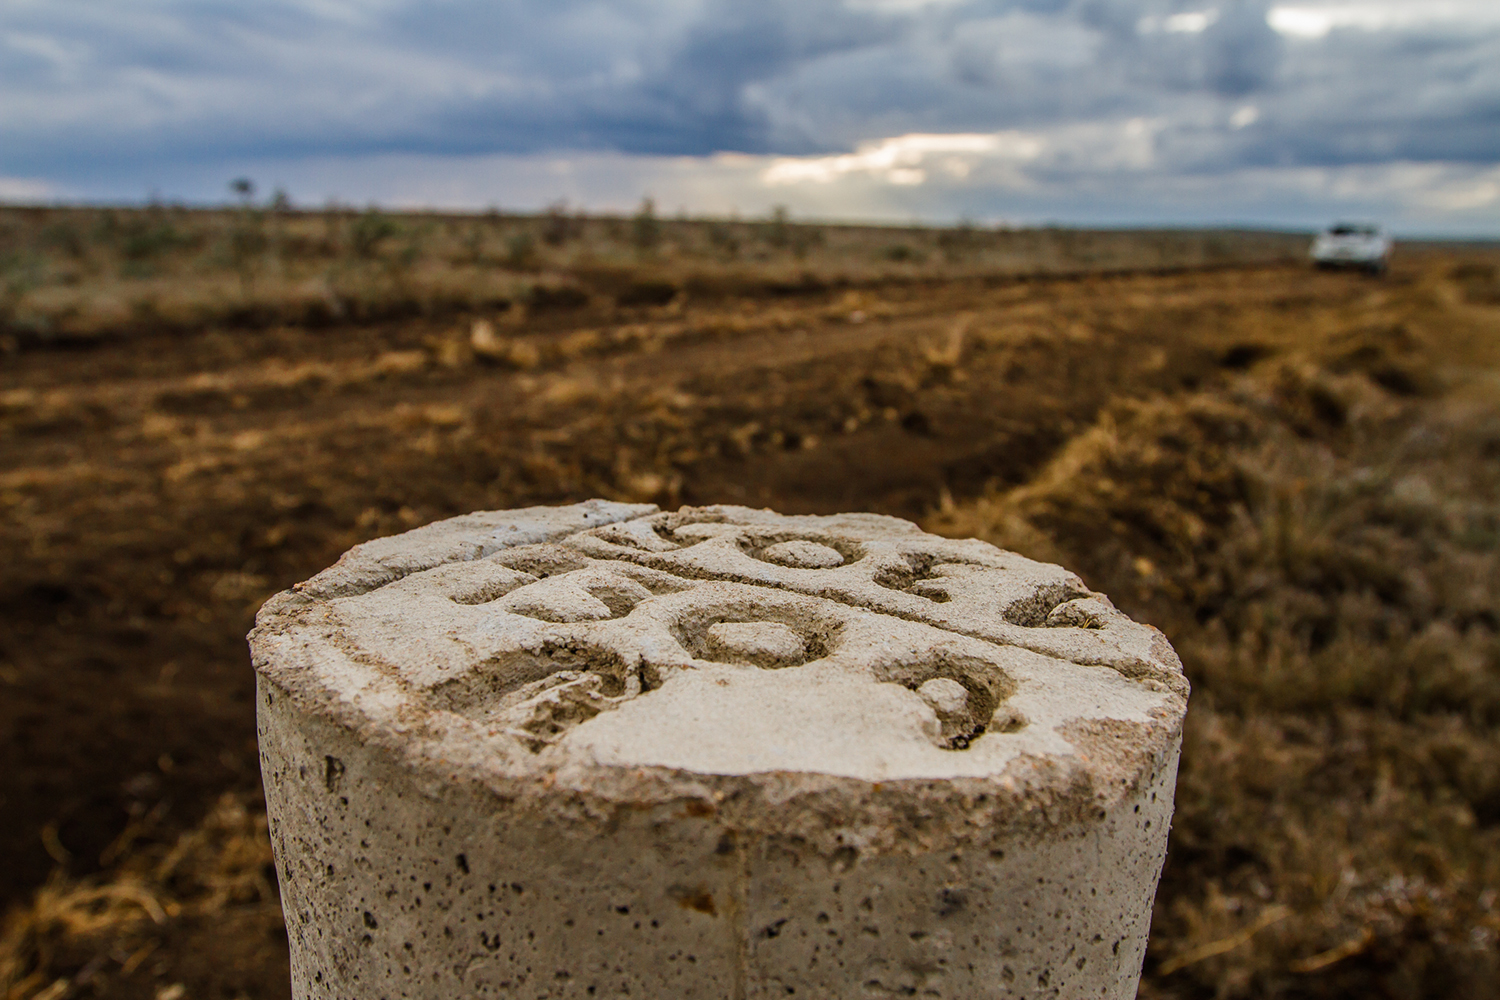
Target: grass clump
1318	537
119	933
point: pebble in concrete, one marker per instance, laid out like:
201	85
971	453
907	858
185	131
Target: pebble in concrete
603	750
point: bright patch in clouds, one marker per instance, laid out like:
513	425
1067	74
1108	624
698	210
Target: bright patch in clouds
1314	21
906	159
1464	194
1190	22
24	189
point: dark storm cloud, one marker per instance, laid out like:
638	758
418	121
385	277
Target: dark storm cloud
87	87
202	80
1236	54
1369	97
681	87
1241	52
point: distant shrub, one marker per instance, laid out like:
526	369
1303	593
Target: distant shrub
247	244
473	241
144	239
960	241
19	274
778	231
64	235
722	238
645	228
520	251
369	232
901	253
559	227
805	239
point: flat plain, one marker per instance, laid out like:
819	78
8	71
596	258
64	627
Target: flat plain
1295	474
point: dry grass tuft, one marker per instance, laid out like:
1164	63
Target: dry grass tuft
1320	537
100	932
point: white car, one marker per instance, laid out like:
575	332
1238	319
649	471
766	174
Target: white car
1350	244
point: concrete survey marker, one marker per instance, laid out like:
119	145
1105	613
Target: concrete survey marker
603	750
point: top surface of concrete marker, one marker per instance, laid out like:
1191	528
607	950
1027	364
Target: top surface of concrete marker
612	652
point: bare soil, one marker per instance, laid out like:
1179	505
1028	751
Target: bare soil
155	488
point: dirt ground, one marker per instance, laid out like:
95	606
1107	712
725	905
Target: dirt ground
155	489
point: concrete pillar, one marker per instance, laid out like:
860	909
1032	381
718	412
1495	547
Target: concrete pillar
602	751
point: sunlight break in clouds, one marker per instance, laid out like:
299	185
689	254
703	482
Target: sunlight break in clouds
906	159
1316	20
24	189
1007	160
1189	22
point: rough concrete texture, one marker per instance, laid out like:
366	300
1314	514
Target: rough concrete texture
606	751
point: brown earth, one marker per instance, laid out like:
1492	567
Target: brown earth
155	488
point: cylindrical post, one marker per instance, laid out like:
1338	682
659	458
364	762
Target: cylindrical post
719	753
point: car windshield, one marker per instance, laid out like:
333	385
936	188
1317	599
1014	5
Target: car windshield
1345	229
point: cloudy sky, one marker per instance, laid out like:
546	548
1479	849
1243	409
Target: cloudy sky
1079	111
